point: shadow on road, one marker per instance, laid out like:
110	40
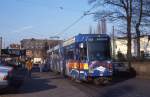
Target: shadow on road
117	91
121	77
35	84
119	86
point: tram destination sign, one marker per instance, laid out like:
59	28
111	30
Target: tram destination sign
97	39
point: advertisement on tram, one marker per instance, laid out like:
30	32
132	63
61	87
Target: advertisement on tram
84	57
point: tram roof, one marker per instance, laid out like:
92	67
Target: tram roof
77	39
82	38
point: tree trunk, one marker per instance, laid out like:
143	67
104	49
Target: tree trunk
137	28
129	55
138	42
129	18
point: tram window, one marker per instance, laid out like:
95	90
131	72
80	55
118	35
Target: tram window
83	53
70	55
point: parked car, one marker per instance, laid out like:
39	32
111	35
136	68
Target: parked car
3	78
5	75
5	67
120	68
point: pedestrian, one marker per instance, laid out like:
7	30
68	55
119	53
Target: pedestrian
41	66
29	67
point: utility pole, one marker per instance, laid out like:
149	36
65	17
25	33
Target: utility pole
1	43
113	39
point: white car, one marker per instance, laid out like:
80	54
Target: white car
3	79
7	68
5	73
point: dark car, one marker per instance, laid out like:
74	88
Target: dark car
120	68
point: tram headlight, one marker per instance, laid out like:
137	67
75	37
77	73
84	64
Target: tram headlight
86	66
108	62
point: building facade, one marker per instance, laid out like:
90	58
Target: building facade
15	46
37	48
121	45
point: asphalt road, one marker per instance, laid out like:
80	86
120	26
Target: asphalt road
53	85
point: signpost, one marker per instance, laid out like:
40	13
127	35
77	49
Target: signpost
13	52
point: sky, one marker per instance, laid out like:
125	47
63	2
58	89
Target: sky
22	19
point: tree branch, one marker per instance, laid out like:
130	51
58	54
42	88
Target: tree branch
113	3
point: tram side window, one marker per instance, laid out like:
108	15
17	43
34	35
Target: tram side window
70	55
83	53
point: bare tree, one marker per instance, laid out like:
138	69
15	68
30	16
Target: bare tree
117	10
137	18
140	19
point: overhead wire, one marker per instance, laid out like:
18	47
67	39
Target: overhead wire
85	13
68	27
75	22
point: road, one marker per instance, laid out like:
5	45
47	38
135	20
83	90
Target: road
53	85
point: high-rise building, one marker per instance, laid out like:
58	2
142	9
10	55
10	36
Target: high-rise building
99	28
103	26
90	29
